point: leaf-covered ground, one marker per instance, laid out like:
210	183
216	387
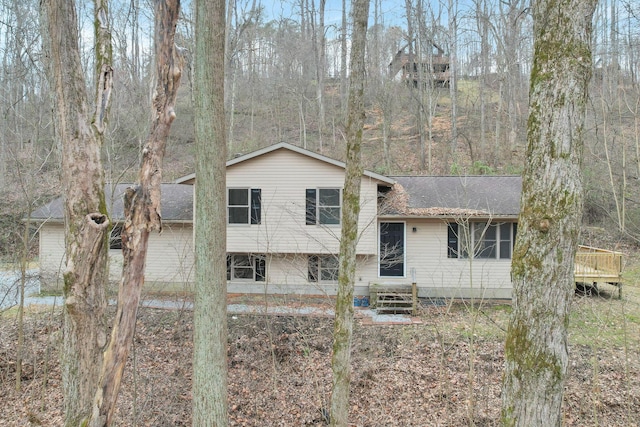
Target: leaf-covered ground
444	371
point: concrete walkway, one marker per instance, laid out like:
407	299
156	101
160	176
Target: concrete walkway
367	315
9	297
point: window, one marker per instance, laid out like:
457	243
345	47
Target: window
488	240
115	238
244	205
246	267
323	206
323	268
507	239
484	240
452	240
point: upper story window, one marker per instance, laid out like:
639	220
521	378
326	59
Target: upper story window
323	205
485	240
244	206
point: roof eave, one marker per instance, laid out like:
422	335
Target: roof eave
116	220
480	216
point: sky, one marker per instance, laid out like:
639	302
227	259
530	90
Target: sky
392	11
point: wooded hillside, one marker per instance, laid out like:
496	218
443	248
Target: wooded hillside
286	78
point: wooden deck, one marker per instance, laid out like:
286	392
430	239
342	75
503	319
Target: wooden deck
594	265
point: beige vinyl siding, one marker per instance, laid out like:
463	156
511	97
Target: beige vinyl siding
51	251
169	257
439	276
283	176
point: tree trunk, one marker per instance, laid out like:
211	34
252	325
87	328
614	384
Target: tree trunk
536	351
135	43
210	406
452	11
24	260
483	24
343	55
319	51
343	328
142	213
86	221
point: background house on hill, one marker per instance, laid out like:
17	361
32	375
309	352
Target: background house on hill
452	236
431	67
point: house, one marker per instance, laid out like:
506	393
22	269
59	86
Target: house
430	68
452	236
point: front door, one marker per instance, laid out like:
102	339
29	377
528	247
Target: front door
391	250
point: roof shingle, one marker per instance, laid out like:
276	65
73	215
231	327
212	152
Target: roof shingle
455	195
176	204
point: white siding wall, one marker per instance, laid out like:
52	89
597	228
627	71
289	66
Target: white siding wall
283	176
169	257
439	276
51	249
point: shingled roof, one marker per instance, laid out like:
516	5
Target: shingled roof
416	196
441	196
176	204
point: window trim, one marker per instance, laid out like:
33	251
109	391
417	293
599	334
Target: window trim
257	264
253	206
315	268
484	240
472	230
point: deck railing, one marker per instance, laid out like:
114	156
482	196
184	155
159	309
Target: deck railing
599	265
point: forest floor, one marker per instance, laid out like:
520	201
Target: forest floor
444	369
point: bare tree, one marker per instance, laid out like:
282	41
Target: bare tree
482	18
142	213
319	46
509	37
343	55
536	354
452	12
343	328
210	308
85	211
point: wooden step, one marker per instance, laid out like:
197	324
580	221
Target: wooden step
394	310
394	295
394	302
394	298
